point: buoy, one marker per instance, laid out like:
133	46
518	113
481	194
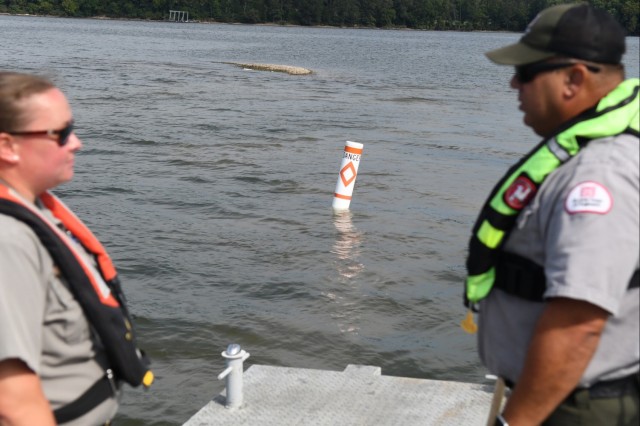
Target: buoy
347	175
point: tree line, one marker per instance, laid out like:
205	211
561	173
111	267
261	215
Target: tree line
461	15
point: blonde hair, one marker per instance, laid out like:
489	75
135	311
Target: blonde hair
15	87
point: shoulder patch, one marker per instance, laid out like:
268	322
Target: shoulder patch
520	193
588	197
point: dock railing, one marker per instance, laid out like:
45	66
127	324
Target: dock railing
179	16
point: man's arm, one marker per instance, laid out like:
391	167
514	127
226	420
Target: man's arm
22	401
564	341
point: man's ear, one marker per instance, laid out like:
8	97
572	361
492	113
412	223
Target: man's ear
575	79
8	152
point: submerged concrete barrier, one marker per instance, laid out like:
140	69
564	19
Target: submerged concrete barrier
273	67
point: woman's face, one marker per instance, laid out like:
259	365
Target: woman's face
43	163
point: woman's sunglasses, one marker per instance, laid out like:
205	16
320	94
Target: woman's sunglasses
62	135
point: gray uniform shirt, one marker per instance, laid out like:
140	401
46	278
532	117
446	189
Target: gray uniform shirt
43	325
583	228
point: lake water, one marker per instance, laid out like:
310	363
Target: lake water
212	186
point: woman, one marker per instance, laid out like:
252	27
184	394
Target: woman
63	350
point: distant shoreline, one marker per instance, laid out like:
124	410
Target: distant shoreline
262	24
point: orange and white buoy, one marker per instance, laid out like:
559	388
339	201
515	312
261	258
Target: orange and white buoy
347	176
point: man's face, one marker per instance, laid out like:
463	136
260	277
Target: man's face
541	100
44	164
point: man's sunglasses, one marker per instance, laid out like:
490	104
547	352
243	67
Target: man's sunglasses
62	135
526	73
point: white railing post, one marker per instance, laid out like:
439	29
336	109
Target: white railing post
235	357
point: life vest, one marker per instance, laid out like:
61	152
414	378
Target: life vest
615	114
102	301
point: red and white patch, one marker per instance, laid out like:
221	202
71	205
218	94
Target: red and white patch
520	193
588	197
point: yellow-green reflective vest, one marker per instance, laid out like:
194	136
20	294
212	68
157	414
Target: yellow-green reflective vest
615	114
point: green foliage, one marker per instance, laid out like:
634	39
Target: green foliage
69	7
464	15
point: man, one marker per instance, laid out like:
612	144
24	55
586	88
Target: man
66	341
554	255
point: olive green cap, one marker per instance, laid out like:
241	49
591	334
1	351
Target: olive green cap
569	30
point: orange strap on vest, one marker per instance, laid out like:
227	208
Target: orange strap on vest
82	233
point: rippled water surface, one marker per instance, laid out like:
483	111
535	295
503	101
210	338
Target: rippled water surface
211	186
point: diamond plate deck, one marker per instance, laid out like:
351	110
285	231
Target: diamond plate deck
359	395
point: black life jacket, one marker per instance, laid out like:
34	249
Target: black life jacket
103	305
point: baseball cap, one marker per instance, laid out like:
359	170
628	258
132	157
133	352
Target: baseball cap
572	30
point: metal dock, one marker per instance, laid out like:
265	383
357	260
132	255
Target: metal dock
359	395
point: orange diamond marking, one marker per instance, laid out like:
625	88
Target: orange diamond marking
348	174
